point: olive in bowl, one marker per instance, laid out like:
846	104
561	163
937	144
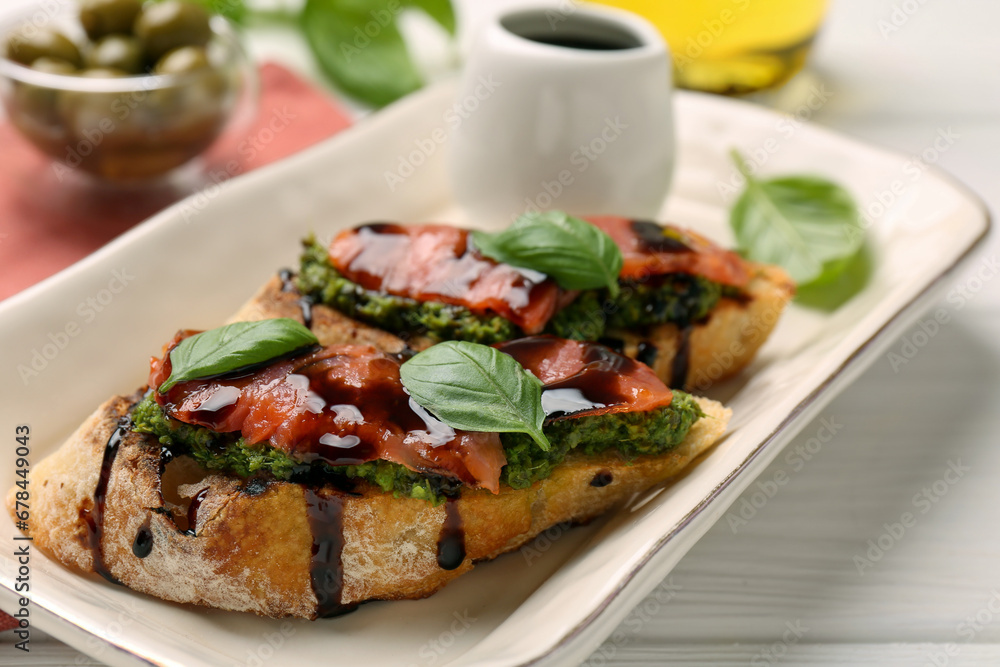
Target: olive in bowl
101	18
170	25
96	90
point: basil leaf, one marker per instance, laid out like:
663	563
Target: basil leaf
807	225
476	388
358	44
828	294
439	10
233	347
575	253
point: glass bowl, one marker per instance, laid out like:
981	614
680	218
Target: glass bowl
125	129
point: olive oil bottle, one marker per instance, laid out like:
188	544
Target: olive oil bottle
733	46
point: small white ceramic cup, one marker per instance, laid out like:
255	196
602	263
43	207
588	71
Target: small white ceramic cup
563	107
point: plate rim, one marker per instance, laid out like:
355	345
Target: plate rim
826	391
857	360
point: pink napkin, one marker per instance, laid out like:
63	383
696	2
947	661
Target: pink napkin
46	223
7	622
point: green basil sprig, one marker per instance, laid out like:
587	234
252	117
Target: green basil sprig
476	388
807	225
573	252
233	347
358	45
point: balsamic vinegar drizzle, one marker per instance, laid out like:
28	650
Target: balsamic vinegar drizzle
94	518
287	280
349	409
305	303
325	511
681	362
142	546
255	486
655	238
166	456
346	423
602	478
192	513
647	352
451	540
306	306
740	297
595	387
440	263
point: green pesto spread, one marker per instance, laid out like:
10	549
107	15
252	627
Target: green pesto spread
401	315
632	434
676	298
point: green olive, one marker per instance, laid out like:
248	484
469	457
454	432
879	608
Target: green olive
184	59
39	102
105	17
83	109
117	52
54	66
43	43
165	26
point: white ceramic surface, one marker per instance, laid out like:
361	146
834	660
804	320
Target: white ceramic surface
537	126
552	602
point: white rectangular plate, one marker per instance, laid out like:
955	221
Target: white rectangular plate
88	332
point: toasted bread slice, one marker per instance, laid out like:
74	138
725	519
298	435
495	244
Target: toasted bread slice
721	345
252	543
714	349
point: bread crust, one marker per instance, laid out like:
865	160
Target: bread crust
725	342
250	549
718	347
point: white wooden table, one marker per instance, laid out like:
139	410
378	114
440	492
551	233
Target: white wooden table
796	581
